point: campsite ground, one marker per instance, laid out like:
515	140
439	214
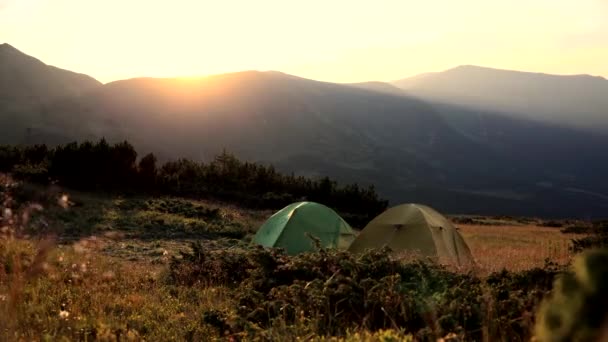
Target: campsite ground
104	273
149	227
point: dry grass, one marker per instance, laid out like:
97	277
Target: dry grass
516	247
82	294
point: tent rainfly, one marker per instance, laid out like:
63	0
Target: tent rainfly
288	228
415	228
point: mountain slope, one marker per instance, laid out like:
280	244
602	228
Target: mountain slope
579	101
552	168
451	157
267	116
454	158
381	87
27	84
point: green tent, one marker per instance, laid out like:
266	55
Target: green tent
414	228
287	228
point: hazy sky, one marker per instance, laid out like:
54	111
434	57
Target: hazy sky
332	40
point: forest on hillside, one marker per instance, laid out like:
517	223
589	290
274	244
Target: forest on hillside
100	166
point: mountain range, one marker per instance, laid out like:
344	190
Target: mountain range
468	140
577	101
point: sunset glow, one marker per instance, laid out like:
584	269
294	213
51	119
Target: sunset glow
338	40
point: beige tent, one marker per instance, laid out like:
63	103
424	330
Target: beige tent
414	228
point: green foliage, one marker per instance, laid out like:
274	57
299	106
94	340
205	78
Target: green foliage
578	230
577	309
31	172
177	218
184	208
594	241
94	166
103	167
146	170
259	186
552	224
341	292
597	238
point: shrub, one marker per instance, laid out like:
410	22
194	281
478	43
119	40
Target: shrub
552	224
578	230
31	172
598	238
183	208
341	292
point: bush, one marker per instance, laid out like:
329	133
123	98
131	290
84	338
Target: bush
598	238
32	173
341	292
183	208
578	230
552	224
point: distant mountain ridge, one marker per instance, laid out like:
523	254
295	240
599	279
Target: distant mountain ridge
579	101
453	157
20	72
27	85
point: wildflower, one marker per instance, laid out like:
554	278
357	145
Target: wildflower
64	201
108	275
165	252
112	235
36	206
63	313
79	247
8	213
451	337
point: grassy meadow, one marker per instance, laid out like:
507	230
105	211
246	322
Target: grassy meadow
100	267
516	247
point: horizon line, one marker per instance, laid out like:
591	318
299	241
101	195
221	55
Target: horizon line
199	76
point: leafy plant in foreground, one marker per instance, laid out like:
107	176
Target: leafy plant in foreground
340	292
577	310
